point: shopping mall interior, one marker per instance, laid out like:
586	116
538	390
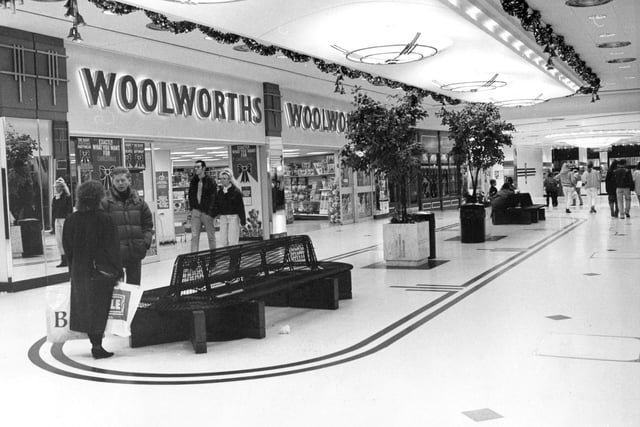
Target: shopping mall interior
535	325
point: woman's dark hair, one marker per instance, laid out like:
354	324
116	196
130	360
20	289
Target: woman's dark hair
89	195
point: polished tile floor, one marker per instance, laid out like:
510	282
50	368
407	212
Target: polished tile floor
537	326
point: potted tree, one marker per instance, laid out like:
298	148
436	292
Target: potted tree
479	136
382	138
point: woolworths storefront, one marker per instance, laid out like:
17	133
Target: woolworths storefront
157	119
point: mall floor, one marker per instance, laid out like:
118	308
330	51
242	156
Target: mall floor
537	326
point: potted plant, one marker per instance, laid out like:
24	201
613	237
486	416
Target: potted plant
382	138
479	136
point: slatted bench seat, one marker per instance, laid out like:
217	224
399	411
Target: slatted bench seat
220	294
519	209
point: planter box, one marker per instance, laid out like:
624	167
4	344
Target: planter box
406	245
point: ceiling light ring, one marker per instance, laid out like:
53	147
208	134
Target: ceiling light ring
473	86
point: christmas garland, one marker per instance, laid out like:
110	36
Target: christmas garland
554	44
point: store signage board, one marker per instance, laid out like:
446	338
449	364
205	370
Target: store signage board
102	89
97	157
315	118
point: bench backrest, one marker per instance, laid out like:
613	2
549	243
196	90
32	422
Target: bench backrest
225	270
525	199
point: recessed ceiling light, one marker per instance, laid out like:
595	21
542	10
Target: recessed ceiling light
616	53
241	48
620	60
607	35
624	67
610	45
630	77
586	3
210	148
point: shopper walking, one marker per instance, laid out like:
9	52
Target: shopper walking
636	181
229	207
134	221
61	208
202	190
566	181
90	238
624	183
591	181
551	189
610	186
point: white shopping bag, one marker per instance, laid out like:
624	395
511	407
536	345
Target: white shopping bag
57	315
124	303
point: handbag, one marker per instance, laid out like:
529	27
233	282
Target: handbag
103	271
124	303
57	315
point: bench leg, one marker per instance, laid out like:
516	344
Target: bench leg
242	320
323	294
151	327
199	331
344	285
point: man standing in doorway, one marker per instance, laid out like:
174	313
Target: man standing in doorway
134	221
202	190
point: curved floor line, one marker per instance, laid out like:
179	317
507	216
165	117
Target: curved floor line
58	354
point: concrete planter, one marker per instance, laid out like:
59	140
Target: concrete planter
406	245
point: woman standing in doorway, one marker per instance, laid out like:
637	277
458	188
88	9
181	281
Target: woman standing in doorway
229	208
61	208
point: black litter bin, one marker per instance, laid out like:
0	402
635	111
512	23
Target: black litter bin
31	237
421	216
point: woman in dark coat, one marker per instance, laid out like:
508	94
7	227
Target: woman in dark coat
90	234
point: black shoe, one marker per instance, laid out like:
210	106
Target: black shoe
627	215
567	211
100	353
593	210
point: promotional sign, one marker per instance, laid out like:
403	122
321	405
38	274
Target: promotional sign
134	156
97	157
244	163
162	190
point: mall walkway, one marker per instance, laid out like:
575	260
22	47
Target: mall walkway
538	326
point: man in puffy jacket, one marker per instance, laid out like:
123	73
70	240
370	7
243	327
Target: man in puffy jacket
134	221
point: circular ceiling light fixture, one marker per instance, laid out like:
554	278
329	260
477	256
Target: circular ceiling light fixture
612	45
390	54
476	86
586	3
620	60
510	103
241	48
155	27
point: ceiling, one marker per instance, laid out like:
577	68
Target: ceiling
468	37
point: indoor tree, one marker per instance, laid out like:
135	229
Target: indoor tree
383	138
478	135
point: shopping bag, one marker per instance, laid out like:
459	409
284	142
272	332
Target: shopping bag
124	303
57	315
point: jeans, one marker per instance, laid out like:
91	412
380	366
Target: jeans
568	195
229	229
592	195
624	200
197	218
59	226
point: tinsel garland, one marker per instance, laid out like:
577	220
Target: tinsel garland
530	20
114	7
176	27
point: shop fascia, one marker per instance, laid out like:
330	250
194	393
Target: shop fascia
315	118
169	99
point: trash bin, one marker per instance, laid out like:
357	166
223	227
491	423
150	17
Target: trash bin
31	237
421	216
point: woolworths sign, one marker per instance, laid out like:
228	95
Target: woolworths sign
314	118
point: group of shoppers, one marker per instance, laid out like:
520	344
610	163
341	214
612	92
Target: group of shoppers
114	230
209	201
619	183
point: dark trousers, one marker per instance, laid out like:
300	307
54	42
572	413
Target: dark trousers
554	199
133	271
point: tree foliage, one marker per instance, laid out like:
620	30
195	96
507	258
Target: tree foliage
383	139
479	136
20	146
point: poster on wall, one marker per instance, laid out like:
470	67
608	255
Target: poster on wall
244	163
134	156
97	157
162	190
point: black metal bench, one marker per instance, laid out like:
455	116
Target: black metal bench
518	209
221	294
